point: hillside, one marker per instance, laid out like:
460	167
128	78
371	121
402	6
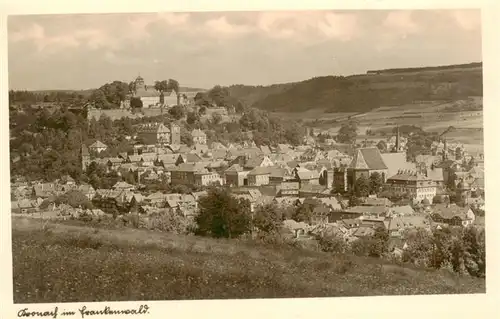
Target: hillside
50	260
362	93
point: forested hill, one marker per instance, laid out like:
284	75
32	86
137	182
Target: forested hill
362	93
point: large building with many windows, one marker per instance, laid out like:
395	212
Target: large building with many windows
418	185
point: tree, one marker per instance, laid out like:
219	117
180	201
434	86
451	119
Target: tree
173	85
362	186
268	218
222	216
348	133
333	244
202	99
474	251
132	88
376	182
177	112
74	199
420	245
380	243
135	102
186	137
382	146
192	118
161	87
303	213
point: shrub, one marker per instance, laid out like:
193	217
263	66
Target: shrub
333	244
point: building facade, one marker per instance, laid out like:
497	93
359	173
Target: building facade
419	186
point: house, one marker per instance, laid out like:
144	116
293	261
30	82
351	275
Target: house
320	215
278	175
45	190
398	211
23	206
285	201
419	186
67	180
283	148
258	176
184	174
123	186
331	203
206	178
305	176
371	201
98	147
199	137
114	162
364	231
154	133
236	176
188	158
358	211
288	188
167	160
398	224
312	190
249	162
453	215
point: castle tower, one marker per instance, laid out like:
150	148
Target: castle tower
85	157
175	134
139	83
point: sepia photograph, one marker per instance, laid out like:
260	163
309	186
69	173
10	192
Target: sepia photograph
246	155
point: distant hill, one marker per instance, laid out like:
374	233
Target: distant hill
362	93
87	92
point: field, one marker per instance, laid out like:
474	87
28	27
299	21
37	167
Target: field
431	116
69	263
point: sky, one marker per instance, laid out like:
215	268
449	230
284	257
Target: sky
204	49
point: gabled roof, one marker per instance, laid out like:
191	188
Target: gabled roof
450	211
368	158
190	157
265	149
259	171
122	185
168	158
98	144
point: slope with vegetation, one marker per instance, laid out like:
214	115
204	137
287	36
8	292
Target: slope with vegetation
362	93
85	264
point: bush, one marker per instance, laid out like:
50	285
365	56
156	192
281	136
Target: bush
333	244
222	215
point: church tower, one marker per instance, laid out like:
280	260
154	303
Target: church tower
445	150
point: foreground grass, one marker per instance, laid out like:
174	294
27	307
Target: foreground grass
63	263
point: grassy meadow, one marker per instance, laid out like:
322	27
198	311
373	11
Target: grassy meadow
56	262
